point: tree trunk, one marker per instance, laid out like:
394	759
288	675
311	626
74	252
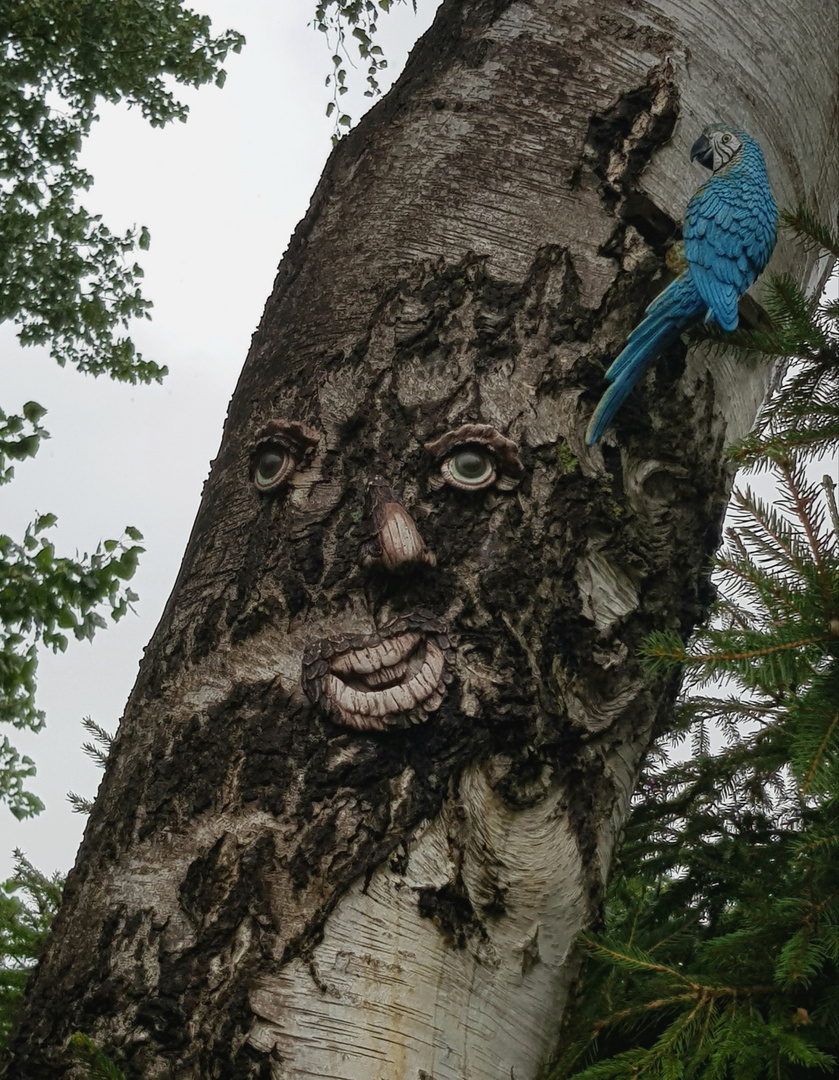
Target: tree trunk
369	783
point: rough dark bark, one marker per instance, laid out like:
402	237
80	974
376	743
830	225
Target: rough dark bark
287	874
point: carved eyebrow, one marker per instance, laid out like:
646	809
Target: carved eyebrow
293	432
505	450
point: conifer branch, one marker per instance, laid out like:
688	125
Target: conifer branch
635	961
817	760
805	223
648	1006
829	488
755	654
803	500
96	1064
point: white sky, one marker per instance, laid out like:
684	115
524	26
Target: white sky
221	196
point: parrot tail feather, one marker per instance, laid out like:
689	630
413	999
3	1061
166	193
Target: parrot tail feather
667	316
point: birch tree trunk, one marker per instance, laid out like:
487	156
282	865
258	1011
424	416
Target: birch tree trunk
369	783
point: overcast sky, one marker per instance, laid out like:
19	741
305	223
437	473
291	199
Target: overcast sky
221	196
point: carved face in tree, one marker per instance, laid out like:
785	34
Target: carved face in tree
395	612
401	544
396	544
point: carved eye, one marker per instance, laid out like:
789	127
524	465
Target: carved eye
281	447
470	468
273	464
473	457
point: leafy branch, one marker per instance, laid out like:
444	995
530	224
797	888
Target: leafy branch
345	23
44	597
71	284
65	278
20	437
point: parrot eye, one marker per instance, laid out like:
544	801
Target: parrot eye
726	138
470	468
273	464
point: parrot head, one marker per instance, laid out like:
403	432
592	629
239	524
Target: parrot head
717	146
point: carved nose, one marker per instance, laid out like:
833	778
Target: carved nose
392	541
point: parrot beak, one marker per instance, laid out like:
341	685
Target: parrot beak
702	150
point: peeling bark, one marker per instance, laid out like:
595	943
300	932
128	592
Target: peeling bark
369	782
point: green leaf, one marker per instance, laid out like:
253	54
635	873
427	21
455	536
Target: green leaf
34	412
335	18
43	522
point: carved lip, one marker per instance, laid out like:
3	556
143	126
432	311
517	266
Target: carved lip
375	681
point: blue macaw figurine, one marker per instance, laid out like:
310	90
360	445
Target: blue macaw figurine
730	228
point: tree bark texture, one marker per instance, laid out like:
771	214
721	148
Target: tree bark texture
369	783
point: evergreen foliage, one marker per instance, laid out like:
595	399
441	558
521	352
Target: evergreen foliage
720	949
24	922
69	283
28	902
98	750
95	1064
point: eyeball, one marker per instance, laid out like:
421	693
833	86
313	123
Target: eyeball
726	138
272	465
469	469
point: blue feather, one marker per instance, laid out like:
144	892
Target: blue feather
667	316
729	229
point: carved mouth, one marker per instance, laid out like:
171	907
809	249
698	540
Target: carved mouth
376	681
